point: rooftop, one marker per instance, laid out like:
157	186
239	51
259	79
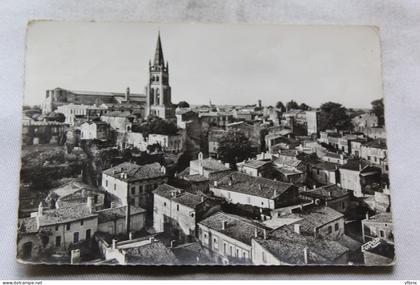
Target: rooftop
28	225
66	214
155	253
112	214
256	163
380	247
314	218
328	192
377	143
256	186
238	228
381	218
179	196
289	247
135	172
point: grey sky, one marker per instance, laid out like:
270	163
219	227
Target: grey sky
227	64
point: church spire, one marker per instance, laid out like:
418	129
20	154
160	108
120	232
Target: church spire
159	53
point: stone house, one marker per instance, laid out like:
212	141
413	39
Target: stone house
356	175
375	152
113	220
226	238
378	226
332	196
260	192
176	212
133	184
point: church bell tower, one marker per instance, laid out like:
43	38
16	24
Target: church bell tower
158	91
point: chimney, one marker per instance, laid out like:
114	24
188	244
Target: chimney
89	204
151	239
304	188
83	193
172	243
230	180
215	183
75	256
224	225
265	233
360	167
296	228
114	244
367	216
256	232
314	187
163	169
112	204
130	235
202	199
305	255
40	209
200	156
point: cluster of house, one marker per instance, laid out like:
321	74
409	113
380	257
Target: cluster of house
306	197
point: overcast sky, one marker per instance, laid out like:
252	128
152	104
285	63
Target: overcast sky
227	64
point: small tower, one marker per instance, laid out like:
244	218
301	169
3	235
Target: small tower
158	90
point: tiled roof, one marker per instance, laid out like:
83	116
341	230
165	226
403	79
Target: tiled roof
179	196
381	218
328	192
324	165
28	225
135	172
112	214
196	178
238	228
188	199
287	161
154	253
256	163
289	247
377	143
256	186
354	164
65	214
317	217
288	171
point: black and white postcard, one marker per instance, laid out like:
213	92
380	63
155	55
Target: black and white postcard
203	144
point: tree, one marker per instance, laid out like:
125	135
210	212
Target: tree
334	115
156	125
280	105
304	107
234	146
292	105
378	109
183	104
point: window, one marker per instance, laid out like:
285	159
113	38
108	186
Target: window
224	248
343	205
215	245
88	234
115	186
317	171
68	226
133	190
329	229
368	157
81	222
76	237
106	183
177	207
192	214
263	257
56	227
57	240
336	226
381	233
164	204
